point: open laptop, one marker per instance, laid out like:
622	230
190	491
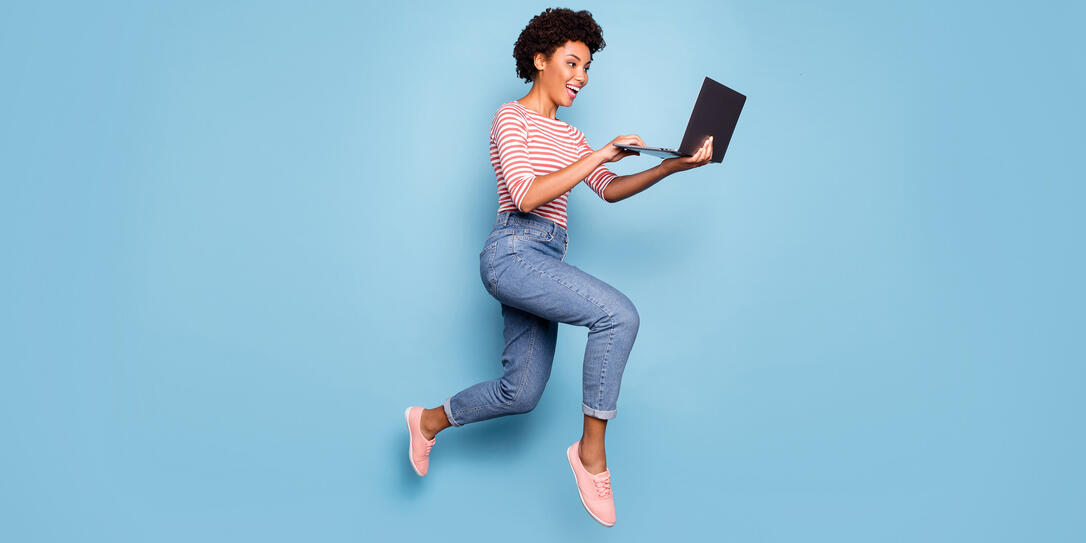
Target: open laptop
715	114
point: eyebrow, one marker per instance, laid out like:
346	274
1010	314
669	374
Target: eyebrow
577	57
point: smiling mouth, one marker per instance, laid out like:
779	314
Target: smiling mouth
572	90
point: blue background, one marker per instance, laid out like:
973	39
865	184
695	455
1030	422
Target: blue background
240	238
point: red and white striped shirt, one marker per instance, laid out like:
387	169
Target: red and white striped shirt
525	145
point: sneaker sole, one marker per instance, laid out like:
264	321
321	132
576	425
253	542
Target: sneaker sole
410	457
575	482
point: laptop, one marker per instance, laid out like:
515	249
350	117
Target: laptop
716	113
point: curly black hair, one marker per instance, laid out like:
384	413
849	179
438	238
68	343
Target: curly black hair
550	30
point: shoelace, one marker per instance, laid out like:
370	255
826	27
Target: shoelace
603	486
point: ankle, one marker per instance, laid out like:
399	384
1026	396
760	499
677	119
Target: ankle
429	425
594	460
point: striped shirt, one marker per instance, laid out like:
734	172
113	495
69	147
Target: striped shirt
525	145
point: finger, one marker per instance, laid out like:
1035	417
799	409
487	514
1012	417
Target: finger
708	151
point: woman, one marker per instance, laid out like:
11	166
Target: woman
537	160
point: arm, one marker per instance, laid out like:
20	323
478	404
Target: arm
510	133
529	191
545	188
624	186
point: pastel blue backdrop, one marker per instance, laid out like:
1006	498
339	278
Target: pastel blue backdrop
240	238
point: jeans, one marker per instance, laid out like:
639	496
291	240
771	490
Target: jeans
523	266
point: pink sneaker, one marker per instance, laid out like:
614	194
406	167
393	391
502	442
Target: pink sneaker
418	450
595	490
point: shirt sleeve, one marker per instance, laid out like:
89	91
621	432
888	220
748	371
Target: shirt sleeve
601	176
510	132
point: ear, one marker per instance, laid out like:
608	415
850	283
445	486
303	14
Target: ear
540	61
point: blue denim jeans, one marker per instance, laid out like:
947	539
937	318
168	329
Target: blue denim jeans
523	266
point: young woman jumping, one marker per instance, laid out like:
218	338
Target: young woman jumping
537	160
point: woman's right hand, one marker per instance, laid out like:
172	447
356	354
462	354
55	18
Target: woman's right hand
610	153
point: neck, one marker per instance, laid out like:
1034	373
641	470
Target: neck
538	102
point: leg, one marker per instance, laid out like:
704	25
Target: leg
593	455
527	361
560	292
576	297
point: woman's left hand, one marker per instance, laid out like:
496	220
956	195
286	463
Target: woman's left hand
700	158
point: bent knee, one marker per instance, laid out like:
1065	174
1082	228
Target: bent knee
622	315
521	400
633	318
524	403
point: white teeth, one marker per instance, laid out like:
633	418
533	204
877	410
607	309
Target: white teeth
572	88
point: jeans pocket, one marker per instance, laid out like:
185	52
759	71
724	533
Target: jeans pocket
493	239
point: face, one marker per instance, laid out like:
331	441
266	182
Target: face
566	69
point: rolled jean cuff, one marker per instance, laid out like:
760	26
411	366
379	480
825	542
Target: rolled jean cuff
448	412
596	413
